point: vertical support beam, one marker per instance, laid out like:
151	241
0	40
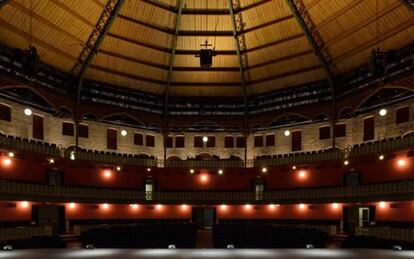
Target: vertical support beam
240	44
409	4
110	12
315	40
180	5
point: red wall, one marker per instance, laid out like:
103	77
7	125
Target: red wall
82	173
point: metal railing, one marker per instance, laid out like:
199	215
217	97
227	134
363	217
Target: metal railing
403	234
401	190
373	147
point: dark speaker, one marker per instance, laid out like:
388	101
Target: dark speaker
206	58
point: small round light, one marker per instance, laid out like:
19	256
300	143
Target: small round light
223	207
7	161
335	205
27	112
148	169
381	157
294	167
264	170
158	207
383	112
107	174
24	204
302	206
247	206
118	168
302	174
72	205
134	206
346	162
204	178
105	206
287	133
272	206
205	139
11	154
124	133
184	206
51	161
220	171
401	162
191	171
382	205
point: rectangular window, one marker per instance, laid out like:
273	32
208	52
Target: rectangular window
37	126
258	141
270	140
5	112
325	132
179	142
369	128
169	141
198	141
297	140
228	142
68	129
211	142
150	141
240	142
111	139
340	130
402	115
83	131
138	139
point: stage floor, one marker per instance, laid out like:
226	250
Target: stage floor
205	253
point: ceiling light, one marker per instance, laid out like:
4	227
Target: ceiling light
346	162
382	205
220	171
148	169
205	139
294	167
7	162
401	162
118	168
51	161
191	171
287	133
11	154
383	112
264	170
134	206
72	205
27	112
124	133
381	157
105	206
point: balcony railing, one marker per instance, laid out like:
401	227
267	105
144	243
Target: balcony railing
401	190
373	147
403	234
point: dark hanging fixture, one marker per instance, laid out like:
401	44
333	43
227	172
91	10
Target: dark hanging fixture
206	55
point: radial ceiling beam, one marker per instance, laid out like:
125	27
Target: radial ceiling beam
108	15
180	4
240	44
305	22
409	4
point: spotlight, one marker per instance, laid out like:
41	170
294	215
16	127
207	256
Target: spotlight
230	246
184	206
7	247
205	139
72	205
220	171
223	206
124	133
335	205
397	248
247	206
287	133
346	162
134	206
294	167
158	207
171	247
118	168
148	169
105	206
51	161
264	170
272	206
302	206
381	157
11	154
204	178
7	161
382	205
191	171
302	174
309	246
401	162
107	174
90	246
382	112
27	112
24	204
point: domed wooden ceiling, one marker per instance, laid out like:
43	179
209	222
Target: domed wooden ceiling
275	51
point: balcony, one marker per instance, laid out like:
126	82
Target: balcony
392	191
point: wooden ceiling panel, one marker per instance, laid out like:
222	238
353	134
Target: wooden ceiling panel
265	13
206	77
110	78
206	23
290	81
193	43
325	9
133	50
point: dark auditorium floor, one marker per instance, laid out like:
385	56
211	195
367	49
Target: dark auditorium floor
205	253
